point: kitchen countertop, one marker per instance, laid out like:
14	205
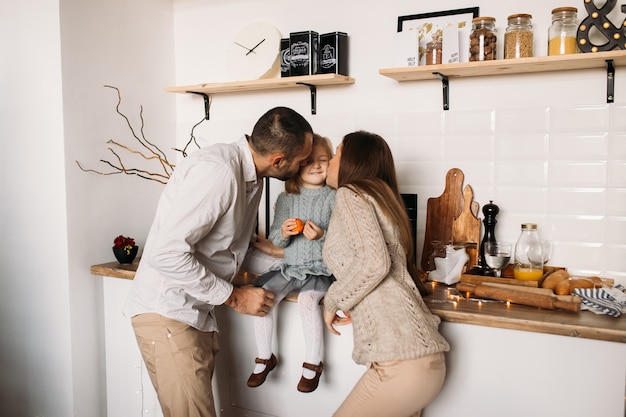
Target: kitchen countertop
453	307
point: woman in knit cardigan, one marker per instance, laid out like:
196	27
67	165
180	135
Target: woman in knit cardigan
369	250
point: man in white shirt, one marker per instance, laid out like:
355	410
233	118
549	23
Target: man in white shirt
203	227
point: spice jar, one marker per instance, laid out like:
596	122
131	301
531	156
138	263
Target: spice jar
483	39
528	254
433	50
518	38
562	32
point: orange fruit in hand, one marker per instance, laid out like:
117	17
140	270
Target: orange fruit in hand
299	226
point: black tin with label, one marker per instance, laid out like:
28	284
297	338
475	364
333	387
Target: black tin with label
285	58
333	53
303	46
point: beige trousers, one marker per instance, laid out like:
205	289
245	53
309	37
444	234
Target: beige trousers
180	360
395	389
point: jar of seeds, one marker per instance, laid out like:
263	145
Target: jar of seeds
562	32
483	39
518	38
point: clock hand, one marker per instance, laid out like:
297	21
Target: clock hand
244	47
254	47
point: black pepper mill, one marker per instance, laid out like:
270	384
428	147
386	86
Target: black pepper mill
490	211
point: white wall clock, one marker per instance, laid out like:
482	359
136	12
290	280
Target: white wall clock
254	52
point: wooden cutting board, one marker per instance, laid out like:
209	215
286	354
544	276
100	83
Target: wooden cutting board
466	227
449	218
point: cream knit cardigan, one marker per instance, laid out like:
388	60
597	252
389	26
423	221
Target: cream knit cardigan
390	320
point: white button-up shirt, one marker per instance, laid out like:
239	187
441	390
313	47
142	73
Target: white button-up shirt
203	226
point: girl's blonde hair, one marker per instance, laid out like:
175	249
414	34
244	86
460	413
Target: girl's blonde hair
293	184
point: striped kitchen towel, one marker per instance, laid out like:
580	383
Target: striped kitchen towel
611	301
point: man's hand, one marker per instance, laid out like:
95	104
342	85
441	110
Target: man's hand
266	246
251	300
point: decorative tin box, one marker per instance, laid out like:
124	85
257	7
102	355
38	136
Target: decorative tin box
333	53
304	46
285	58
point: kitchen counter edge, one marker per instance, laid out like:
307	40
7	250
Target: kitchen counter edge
584	324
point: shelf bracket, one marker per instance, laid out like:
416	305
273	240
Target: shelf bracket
610	81
313	90
445	88
207	103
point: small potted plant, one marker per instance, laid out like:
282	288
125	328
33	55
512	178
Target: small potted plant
124	249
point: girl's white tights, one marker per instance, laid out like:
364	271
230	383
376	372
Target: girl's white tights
312	327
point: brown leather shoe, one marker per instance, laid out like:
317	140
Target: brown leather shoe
310	385
257	379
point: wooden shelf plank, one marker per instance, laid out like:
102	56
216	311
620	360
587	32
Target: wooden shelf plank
263	84
115	269
507	66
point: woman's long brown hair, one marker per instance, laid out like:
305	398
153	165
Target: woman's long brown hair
367	166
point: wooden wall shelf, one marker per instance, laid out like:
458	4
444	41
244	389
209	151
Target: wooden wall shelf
507	66
263	84
580	61
310	81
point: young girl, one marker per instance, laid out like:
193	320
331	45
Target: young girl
307	198
369	249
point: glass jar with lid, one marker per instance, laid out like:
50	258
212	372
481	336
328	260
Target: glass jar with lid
518	38
483	39
562	31
528	254
433	50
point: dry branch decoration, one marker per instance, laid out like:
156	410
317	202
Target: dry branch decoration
150	152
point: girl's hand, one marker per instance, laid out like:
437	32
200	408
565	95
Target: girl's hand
287	228
312	231
332	319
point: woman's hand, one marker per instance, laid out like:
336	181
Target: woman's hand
332	319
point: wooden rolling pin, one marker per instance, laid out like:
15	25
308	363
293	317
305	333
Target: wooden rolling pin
535	297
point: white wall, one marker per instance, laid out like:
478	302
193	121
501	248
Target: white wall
34	288
545	148
56	220
128	45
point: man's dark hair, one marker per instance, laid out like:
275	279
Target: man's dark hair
282	130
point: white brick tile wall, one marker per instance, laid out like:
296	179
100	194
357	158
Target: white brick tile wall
521	173
561	166
580	201
579	118
617	146
522	120
576	174
521	145
580	147
617	174
616	204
